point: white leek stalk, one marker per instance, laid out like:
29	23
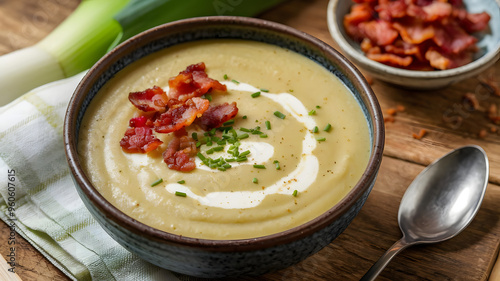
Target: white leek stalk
72	47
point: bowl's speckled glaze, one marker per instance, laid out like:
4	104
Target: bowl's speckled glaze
488	43
218	258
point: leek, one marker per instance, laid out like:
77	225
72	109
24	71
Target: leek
75	45
97	26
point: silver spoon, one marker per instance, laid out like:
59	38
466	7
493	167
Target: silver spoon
441	201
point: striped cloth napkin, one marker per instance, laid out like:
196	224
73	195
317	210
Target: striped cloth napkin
39	199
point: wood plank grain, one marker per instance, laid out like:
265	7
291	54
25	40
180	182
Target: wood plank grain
469	256
449	120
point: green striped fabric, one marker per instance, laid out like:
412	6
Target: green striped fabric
44	205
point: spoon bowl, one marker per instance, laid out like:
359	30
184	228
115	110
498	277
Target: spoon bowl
440	202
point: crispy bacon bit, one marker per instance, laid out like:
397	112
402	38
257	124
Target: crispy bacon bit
391	59
493	129
193	82
173	113
493	114
215	116
391	111
152	99
415	34
389	119
362	12
139	140
420	135
471	100
180	154
144	120
483	133
181	115
379	32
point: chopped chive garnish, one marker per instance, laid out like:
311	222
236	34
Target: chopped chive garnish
227	166
209	143
295	192
263	136
312	112
277	163
234	81
212	132
208	97
181	182
245	130
268	125
317	106
256	94
259	166
327	127
255	180
316	129
291	90
194	135
218	148
225	77
202	158
321	139
220	168
230	160
157	182
181	194
198	144
243	136
210	151
245	153
228	123
279	115
264	90
244	117
241	159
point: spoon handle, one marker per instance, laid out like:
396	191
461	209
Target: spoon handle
384	260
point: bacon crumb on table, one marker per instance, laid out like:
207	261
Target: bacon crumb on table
472	100
415	34
420	135
483	134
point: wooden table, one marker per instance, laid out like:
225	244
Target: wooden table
449	121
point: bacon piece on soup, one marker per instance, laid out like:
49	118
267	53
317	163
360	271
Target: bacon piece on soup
152	99
180	154
193	82
216	115
181	115
144	120
139	140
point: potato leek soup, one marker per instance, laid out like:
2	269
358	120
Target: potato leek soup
271	142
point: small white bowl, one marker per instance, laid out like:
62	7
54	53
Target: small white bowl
489	45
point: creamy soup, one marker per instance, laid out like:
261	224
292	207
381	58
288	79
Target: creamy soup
303	170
